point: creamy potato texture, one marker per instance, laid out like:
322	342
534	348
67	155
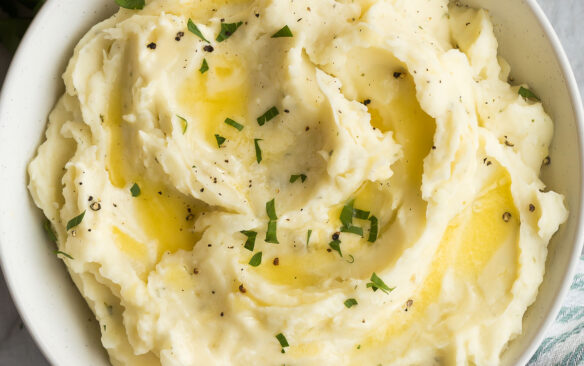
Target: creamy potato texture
391	120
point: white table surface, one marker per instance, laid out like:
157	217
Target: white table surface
17	346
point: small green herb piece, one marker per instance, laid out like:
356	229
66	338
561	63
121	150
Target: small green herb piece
373	230
251	238
271	209
269	115
131	4
352	229
57	252
256	260
347	214
360	214
234	124
204	66
195	30
336	246
308	236
227	29
49	231
350	303
271	236
295	177
284	32
75	221
528	94
135	190
220	140
378	284
283	341
351	259
183	123
258	150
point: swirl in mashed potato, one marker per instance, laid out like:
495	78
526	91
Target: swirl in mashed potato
373	152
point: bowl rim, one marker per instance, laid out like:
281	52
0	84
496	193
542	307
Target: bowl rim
578	244
35	27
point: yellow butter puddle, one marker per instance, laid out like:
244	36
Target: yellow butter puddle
165	217
209	98
469	243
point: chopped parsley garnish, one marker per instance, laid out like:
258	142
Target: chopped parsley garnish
258	150
295	177
251	238
204	66
256	260
308	235
220	140
351	259
373	229
195	30
75	221
378	284
234	124
271	236
336	246
49	231
350	303
58	252
528	94
184	124
131	4
227	29
273	223
271	209
135	190
284	32
347	214
352	229
269	115
283	341
360	214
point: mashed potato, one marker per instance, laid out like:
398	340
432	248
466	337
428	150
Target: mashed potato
307	182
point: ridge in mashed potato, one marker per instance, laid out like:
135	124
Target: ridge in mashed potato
304	182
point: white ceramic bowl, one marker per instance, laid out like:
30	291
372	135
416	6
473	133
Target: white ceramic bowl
51	306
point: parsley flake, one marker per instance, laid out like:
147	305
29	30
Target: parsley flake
49	231
308	235
256	260
336	246
528	94
227	29
283	341
347	214
269	115
234	124
184	124
58	252
295	177
135	190
271	236
131	4
75	221
350	303
284	32
251	237
271	209
373	230
204	66
258	150
220	140
195	30
352	229
378	284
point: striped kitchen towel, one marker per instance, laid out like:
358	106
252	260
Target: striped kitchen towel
564	341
